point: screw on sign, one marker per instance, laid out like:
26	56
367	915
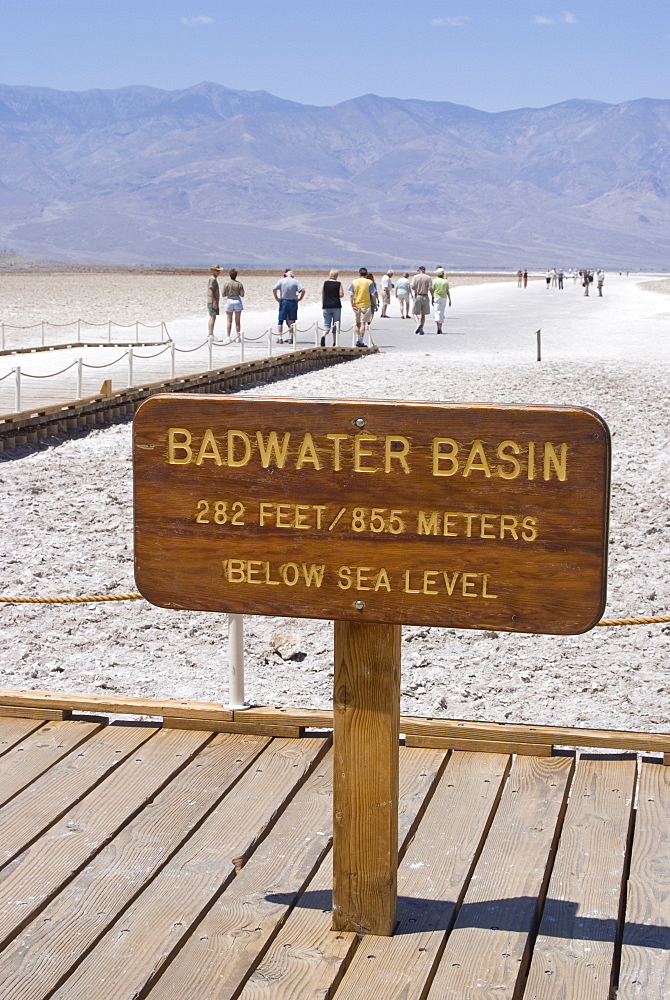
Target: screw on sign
374	515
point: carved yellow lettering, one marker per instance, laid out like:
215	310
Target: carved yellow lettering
285	520
391	452
429	579
484	524
175	445
407	588
485	580
447	523
290	573
503	448
344	574
508	522
362	577
467	583
271	450
254	567
531	460
469	518
559	464
235	570
529	533
450	456
307	453
301	520
336	438
382	580
234	436
270	582
450	584
319	508
313	575
428	523
208	442
266	512
360	452
477	451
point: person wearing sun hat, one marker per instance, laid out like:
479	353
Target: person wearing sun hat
441	296
422	287
213	295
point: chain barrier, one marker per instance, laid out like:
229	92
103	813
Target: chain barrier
604	622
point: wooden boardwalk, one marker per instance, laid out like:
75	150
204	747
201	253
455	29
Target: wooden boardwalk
152	862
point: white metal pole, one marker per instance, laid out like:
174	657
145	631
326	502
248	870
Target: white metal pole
109	331
130	367
80	378
79	330
337	333
210	350
269	341
316	333
172	358
17	390
235	662
137	331
241	346
3	336
42	333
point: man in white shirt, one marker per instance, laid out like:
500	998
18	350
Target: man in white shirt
387	288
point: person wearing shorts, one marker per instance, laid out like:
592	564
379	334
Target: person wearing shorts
331	304
422	287
213	298
387	288
402	295
233	292
362	294
287	292
440	297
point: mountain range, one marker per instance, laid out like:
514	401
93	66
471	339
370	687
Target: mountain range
145	176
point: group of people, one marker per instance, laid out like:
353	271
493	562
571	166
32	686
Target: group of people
555	277
424	291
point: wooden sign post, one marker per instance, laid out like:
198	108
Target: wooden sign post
373	515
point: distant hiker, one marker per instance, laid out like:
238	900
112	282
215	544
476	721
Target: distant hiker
387	288
519	278
588	278
362	294
332	294
287	292
422	287
560	277
547	277
554	277
525	279
233	292
440	297
402	295
213	298
374	299
600	281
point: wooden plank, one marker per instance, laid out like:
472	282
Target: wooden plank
37	959
485	951
357	499
51	795
479	746
229	942
272	716
38	752
128	958
120	705
12	731
645	953
311	960
366	704
574	949
544	735
34	713
253	729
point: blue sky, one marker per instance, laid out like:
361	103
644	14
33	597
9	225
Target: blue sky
489	54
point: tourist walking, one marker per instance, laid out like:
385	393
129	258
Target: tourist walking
331	303
362	294
560	277
402	295
600	281
588	278
525	279
287	292
422	288
233	292
441	296
213	295
519	278
387	288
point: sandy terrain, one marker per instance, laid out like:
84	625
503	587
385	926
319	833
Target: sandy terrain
67	529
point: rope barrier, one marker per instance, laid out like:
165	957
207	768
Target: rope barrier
657	620
108	365
189	350
50	375
73	322
147	357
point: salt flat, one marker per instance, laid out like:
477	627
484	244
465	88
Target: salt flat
67	529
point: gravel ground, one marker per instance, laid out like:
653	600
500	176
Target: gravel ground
67	529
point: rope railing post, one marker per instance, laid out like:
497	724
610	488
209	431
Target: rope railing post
173	350
80	378
337	333
3	336
42	333
316	333
137	331
210	351
109	331
538	334
130	367
269	341
241	346
235	662
17	389
79	331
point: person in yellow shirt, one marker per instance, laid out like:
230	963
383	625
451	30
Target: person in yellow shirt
363	295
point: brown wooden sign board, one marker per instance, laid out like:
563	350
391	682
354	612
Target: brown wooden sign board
466	516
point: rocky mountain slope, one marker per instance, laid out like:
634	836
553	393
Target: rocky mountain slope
146	176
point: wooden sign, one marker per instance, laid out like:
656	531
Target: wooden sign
468	516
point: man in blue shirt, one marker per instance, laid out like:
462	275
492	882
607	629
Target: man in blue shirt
287	292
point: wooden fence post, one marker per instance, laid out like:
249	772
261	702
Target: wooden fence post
366	721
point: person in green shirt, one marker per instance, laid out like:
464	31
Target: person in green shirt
441	296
